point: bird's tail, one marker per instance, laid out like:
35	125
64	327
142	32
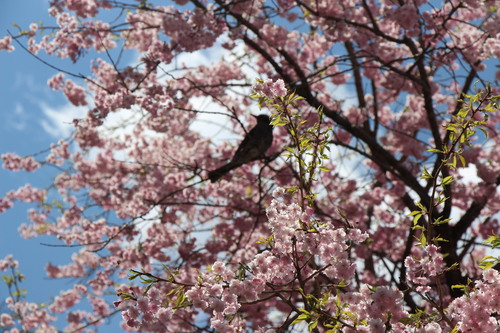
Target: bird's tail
216	174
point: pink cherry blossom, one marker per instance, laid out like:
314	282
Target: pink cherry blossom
6	44
270	88
14	162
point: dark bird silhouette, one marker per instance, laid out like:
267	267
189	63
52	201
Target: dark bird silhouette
253	147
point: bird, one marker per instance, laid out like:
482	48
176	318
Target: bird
253	147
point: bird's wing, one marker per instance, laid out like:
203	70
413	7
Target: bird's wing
248	149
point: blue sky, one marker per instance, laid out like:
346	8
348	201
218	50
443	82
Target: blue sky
32	116
23	92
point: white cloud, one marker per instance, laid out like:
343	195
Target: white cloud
19	118
58	121
214	125
344	93
469	174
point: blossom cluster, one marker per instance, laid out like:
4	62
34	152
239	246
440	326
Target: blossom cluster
14	162
271	88
429	265
149	313
475	311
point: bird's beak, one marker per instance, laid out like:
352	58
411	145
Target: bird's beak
254	116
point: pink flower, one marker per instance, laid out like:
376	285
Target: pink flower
6	320
270	88
8	262
421	270
164	314
5	44
5	204
14	162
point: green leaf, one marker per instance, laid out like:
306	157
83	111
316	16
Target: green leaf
453	163
462	160
458	286
313	325
439	239
487	264
426	174
494	240
279	123
416	218
440	220
423	239
300	318
422	207
133	274
462	113
406	320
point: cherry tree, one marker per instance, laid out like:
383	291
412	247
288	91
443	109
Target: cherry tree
375	209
